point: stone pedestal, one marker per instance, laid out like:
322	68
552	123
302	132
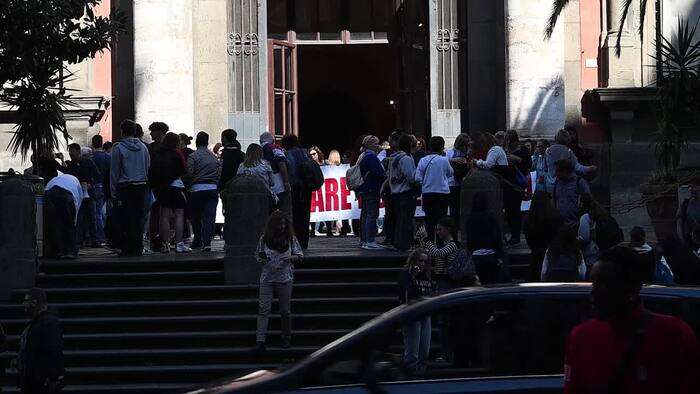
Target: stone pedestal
247	210
479	181
18	249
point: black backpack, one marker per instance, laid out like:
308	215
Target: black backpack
312	175
608	233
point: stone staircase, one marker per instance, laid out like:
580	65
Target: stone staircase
155	325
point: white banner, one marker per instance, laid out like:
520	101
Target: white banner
334	201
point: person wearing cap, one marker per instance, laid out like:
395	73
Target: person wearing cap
203	172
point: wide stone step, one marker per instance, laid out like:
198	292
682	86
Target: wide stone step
152	293
171	278
308	321
205	262
120	388
183	356
177	374
187	278
205	307
163	340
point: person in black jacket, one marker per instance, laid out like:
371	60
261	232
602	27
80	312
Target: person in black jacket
231	157
484	242
415	281
40	359
165	177
84	168
543	222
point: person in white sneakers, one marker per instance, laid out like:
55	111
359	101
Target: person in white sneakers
433	174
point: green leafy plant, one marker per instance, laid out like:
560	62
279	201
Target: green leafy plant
38	39
678	97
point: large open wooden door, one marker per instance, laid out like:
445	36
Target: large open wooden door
283	95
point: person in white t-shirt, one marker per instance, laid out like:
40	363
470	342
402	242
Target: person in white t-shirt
433	174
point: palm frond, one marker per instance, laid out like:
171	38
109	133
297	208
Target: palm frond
557	8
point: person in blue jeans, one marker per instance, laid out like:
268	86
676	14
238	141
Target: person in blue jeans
415	281
100	190
373	174
203	172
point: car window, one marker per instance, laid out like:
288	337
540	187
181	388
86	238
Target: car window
665	305
692	316
496	337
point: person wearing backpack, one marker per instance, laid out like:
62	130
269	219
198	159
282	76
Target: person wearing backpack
560	151
568	190
302	182
598	230
415	281
372	174
563	261
401	174
654	268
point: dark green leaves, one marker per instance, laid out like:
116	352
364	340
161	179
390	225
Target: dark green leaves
37	39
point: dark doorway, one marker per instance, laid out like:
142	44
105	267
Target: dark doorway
346	91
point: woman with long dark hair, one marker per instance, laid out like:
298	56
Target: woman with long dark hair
543	222
165	176
415	281
442	255
563	261
278	250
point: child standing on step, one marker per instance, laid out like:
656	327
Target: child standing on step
415	281
278	251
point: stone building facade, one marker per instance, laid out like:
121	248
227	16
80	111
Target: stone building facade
330	70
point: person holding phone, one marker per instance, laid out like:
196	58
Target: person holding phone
278	250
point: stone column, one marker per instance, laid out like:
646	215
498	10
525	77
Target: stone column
247	69
18	241
247	209
444	33
211	96
163	64
625	70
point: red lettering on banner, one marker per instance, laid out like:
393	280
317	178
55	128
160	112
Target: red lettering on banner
317	201
344	194
331	194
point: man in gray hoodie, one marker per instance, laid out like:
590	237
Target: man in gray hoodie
128	181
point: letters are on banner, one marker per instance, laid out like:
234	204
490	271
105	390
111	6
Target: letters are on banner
334	201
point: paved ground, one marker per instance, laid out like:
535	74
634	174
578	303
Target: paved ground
320	246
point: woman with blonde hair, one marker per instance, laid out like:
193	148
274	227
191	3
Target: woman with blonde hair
334	158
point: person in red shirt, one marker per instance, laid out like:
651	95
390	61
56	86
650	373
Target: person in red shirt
627	349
